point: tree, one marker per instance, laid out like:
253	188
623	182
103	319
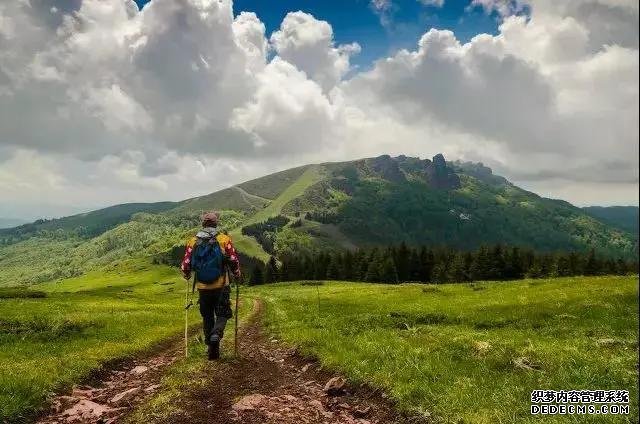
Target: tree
512	264
591	264
562	266
334	267
440	273
402	261
458	271
414	265
257	277
426	264
271	271
480	266
388	272
496	263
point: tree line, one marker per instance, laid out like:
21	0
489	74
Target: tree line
402	263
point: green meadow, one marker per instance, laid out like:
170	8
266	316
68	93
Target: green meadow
456	353
55	334
469	353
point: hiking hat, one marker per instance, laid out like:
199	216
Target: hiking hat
210	219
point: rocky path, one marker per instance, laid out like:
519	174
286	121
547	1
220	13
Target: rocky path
269	383
109	395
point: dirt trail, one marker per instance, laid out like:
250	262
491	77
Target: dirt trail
268	383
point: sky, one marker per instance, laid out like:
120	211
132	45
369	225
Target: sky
112	101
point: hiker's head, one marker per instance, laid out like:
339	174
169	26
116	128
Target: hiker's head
210	219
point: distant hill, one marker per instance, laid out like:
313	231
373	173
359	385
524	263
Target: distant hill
89	224
11	222
367	202
622	217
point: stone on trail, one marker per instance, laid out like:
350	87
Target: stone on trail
140	369
85	392
361	411
335	386
152	388
249	402
86	410
320	408
289	398
126	395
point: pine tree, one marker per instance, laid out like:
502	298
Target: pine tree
402	261
271	271
373	273
457	272
591	264
480	265
414	265
333	269
561	267
440	273
257	277
346	271
496	263
426	264
388	272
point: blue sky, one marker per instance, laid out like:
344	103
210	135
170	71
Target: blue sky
356	20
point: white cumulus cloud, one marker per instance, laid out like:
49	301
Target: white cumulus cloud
183	98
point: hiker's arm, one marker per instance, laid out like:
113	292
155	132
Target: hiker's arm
185	266
232	257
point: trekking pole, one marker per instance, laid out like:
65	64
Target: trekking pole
235	342
186	319
187	304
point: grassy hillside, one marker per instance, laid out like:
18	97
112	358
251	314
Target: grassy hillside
333	205
271	186
40	259
622	217
376	200
469	352
88	224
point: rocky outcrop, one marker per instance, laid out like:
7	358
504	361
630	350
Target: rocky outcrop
439	174
387	168
480	172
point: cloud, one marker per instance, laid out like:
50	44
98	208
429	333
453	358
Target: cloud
308	44
550	103
433	3
183	97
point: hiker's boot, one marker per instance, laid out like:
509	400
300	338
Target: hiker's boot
214	347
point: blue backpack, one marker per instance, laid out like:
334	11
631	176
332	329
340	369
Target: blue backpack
207	259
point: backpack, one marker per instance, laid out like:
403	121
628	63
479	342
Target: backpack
207	259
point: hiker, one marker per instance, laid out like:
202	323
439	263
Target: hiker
211	256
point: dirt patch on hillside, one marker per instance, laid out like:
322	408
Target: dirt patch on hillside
269	383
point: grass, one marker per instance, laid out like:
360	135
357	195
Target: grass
248	245
469	353
80	324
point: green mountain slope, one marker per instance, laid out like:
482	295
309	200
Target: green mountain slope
366	202
88	224
621	217
389	200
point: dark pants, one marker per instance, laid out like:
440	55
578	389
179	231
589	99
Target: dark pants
215	308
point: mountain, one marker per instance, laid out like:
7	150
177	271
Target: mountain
11	222
621	217
367	202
